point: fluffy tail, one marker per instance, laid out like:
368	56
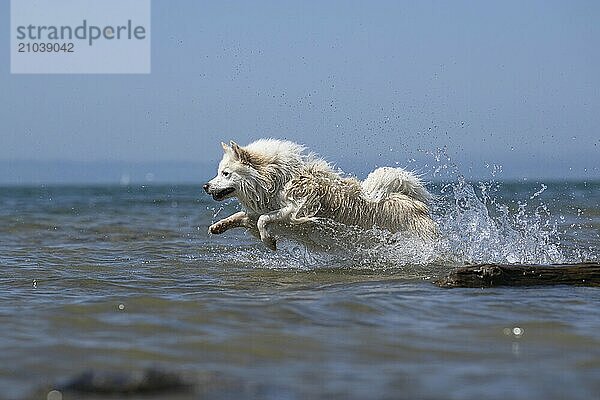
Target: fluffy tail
384	181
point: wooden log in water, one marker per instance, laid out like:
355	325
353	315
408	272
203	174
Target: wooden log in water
489	275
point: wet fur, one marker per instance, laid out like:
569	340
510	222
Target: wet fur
277	181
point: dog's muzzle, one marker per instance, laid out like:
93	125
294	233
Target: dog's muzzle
218	195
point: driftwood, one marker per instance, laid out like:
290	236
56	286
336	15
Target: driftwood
488	275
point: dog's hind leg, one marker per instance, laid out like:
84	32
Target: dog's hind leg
237	220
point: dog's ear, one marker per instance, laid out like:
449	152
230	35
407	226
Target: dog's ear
240	153
225	147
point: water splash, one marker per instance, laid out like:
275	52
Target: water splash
477	228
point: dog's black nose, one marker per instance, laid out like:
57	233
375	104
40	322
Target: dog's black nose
205	187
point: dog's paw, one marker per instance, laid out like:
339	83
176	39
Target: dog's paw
268	240
217	228
270	243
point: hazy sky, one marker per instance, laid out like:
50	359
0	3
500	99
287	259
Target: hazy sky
363	83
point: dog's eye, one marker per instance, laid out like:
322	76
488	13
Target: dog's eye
225	173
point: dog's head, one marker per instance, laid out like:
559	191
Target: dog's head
256	173
234	169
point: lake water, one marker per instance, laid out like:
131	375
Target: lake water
121	278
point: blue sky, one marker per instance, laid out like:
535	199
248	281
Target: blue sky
362	83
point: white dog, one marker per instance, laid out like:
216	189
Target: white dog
278	182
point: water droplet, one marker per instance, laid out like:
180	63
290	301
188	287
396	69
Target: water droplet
518	331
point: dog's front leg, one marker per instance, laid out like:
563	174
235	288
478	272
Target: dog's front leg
237	220
283	214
